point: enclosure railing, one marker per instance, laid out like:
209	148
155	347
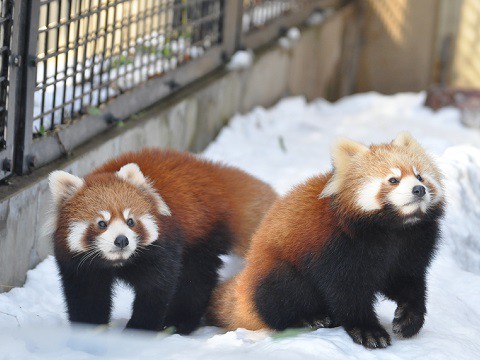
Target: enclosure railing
71	69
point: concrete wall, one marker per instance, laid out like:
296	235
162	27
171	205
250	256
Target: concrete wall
465	57
190	120
409	45
398	39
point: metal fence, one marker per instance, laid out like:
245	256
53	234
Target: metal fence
6	132
257	13
70	69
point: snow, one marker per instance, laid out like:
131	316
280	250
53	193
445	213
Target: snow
284	145
257	15
318	17
241	60
293	33
291	37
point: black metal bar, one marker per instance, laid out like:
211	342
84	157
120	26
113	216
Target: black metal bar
45	65
55	86
104	54
93	75
84	59
6	24
128	44
6	120
24	43
67	47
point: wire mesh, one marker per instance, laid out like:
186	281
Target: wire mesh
90	51
258	13
6	22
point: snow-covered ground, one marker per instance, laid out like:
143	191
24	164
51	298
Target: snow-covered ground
283	146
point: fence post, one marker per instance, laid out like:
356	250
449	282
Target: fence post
6	121
232	26
24	46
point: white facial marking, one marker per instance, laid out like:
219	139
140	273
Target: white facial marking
126	214
105	241
415	171
403	198
76	232
438	189
105	215
150	225
367	195
396	172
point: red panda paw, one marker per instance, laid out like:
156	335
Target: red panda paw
372	338
407	322
186	327
319	323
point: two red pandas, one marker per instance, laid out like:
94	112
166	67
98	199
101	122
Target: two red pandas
326	249
158	220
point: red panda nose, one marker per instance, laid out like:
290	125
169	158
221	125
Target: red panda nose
121	241
418	190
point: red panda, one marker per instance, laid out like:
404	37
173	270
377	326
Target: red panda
328	247
158	220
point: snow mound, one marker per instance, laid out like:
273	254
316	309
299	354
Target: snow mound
241	60
462	166
283	146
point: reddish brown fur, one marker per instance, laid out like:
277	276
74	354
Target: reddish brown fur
198	192
301	232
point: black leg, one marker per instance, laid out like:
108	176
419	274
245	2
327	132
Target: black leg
197	281
409	293
352	306
153	294
346	273
199	276
153	276
358	318
286	299
149	308
88	293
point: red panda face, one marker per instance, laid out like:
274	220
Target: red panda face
107	216
398	179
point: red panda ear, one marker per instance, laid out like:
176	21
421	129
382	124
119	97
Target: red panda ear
343	151
405	139
131	173
63	185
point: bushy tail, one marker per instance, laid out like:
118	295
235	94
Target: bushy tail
222	304
250	200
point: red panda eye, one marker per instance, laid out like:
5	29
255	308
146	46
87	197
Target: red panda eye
130	222
419	177
102	224
393	181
